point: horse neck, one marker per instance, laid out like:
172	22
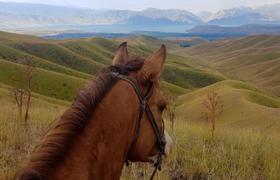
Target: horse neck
100	150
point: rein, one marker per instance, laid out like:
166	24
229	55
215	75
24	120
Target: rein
144	108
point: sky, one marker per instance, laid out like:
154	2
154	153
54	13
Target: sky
190	5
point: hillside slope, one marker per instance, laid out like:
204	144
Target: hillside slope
244	107
84	58
255	59
44	82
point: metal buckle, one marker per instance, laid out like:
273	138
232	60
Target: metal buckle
143	103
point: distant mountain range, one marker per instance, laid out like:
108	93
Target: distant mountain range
24	15
37	15
269	14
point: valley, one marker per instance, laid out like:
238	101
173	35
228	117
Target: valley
244	72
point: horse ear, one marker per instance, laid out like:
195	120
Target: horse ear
154	64
121	55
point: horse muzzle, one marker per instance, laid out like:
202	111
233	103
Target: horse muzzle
168	145
167	148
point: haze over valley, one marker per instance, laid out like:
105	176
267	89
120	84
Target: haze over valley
48	19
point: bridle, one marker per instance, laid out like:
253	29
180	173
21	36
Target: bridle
144	108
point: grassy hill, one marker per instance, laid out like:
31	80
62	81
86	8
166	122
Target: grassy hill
234	153
84	58
255	59
246	143
244	107
44	82
65	66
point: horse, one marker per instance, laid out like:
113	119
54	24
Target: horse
115	119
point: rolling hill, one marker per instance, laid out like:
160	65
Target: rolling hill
65	66
246	142
82	59
255	59
244	107
44	82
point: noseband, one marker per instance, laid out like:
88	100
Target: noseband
144	108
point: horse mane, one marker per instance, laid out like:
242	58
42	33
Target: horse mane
60	138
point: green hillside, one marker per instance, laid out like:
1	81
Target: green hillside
84	58
255	59
189	78
65	66
244	107
14	55
44	82
246	142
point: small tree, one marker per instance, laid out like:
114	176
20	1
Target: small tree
22	92
19	97
28	73
213	107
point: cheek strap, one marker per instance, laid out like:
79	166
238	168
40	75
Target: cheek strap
144	108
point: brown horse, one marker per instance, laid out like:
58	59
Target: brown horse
104	126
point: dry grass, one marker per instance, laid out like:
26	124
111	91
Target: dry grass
15	142
244	107
232	154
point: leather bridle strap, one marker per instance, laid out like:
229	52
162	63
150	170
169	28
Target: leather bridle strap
144	107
